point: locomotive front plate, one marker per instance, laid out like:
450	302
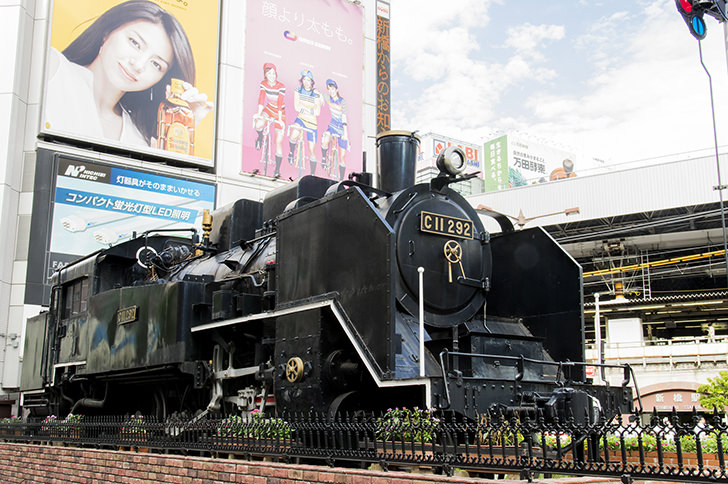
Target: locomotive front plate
435	223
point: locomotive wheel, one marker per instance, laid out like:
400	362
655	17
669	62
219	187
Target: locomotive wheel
352	402
294	369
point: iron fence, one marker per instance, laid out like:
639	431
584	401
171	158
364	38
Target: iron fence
667	446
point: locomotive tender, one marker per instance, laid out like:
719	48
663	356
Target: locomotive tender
312	300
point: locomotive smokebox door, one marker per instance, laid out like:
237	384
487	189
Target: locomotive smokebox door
440	232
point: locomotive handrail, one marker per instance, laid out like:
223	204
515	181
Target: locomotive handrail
353	183
520	360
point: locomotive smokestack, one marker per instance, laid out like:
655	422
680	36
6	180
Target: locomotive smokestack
397	159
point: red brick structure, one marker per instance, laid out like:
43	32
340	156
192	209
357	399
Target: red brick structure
26	463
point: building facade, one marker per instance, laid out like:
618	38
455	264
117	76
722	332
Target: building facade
62	182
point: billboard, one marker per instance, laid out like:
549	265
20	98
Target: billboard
88	206
495	163
138	75
384	64
302	99
510	162
432	145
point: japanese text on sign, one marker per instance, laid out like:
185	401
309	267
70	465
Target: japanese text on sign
383	81
116	204
157	187
308	24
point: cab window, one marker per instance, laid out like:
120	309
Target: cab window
75	297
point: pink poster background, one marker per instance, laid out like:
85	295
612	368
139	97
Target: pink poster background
323	36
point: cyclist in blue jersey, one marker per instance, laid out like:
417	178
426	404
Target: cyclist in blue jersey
307	101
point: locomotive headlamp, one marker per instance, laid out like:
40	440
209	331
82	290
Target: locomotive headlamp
452	161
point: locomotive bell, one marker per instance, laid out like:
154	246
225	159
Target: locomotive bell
397	159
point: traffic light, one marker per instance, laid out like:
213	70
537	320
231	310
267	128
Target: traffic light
692	13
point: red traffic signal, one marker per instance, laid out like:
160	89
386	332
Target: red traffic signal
692	13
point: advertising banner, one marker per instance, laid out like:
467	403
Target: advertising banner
96	206
513	162
138	75
302	104
384	62
495	164
82	206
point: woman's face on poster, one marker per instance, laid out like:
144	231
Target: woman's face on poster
136	55
271	75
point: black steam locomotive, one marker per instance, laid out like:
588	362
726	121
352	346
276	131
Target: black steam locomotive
327	296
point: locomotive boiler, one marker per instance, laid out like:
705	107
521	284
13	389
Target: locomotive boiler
328	296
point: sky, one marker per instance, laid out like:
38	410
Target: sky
616	80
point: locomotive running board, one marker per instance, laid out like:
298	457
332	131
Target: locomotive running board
354	338
267	315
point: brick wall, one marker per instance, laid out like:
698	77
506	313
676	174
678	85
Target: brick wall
26	463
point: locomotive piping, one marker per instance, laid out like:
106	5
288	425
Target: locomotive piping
91	402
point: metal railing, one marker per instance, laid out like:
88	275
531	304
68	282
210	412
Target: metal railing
666	447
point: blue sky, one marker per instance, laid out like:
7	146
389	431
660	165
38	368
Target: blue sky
619	80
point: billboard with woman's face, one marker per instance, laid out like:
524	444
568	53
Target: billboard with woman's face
302	100
137	75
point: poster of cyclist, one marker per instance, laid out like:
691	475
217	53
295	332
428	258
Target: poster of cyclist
302	100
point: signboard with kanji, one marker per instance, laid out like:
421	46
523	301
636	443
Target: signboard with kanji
89	206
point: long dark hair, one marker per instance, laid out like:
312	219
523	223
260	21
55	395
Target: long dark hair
85	48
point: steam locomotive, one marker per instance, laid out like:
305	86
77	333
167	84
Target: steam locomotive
329	296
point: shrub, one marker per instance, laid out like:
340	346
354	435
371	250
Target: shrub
409	425
50	422
134	426
256	425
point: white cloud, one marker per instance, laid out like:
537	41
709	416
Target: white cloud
527	38
438	48
634	89
650	101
